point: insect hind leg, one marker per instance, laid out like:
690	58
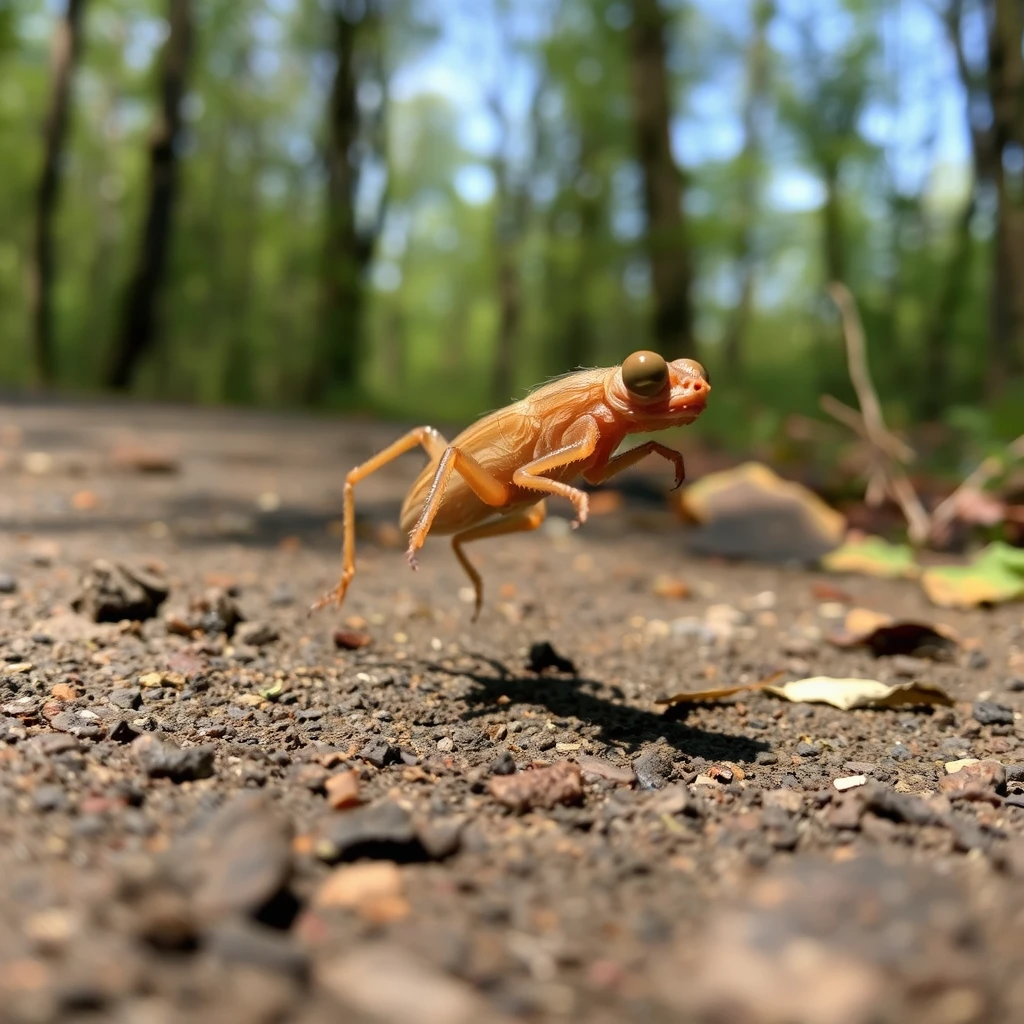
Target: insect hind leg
431	441
516	522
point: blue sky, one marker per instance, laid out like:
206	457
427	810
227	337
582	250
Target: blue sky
923	130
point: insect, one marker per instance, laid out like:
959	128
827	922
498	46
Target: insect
495	477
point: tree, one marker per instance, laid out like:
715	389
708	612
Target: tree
667	245
139	327
751	172
65	52
355	138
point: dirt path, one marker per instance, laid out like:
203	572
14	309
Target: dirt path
206	821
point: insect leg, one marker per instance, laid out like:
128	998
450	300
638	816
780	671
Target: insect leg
598	474
487	487
427	438
517	522
530	476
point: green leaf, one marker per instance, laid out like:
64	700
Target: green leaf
996	575
873	556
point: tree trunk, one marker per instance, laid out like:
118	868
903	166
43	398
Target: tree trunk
138	332
66	49
347	249
750	177
667	244
832	239
1006	91
936	341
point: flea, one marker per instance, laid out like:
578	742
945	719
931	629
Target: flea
495	477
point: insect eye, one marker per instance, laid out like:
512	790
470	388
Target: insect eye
645	374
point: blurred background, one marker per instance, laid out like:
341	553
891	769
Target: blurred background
420	208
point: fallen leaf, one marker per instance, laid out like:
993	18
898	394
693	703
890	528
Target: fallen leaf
884	635
872	556
719	693
847	694
995	575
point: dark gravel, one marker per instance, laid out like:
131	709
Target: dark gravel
222	809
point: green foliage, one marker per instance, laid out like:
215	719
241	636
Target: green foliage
240	310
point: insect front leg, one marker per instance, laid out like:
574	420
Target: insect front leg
432	443
487	487
584	436
598	474
516	522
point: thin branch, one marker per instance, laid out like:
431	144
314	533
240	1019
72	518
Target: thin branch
894	446
879	437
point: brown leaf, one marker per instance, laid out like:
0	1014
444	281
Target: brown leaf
884	635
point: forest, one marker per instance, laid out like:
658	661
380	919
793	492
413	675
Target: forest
425	208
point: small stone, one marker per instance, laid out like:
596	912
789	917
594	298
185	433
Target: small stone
380	753
1015	684
652	768
977	660
804	749
901	752
383	830
849	782
979	780
161	759
256	634
128	698
788	800
83	724
8	584
348	640
355	885
907	667
342	790
548	787
503	764
766	757
111	592
601	768
50	798
446	744
246	942
987	712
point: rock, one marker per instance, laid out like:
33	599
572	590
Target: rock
899	807
349	640
380	753
901	752
255	945
112	592
84	724
652	768
543	657
599	767
128	698
766	757
987	712
256	634
983	780
355	884
548	787
804	749
160	759
386	983
342	790
384	830
503	764
238	861
446	744
8	584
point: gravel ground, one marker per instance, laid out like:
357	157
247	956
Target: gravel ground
216	808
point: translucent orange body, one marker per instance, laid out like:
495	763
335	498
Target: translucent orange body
494	477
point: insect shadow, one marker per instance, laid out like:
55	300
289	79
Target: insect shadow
569	695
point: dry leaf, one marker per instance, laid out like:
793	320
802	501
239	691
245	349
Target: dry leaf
700	696
847	694
884	635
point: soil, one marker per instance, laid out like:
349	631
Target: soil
216	807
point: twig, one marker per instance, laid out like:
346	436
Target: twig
879	437
894	446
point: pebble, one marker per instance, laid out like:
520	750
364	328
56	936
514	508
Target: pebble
128	698
8	584
255	945
383	830
766	757
50	798
988	712
342	790
446	744
111	592
560	783
1015	684
161	759
380	753
901	752
256	634
543	656
652	768
804	749
503	764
